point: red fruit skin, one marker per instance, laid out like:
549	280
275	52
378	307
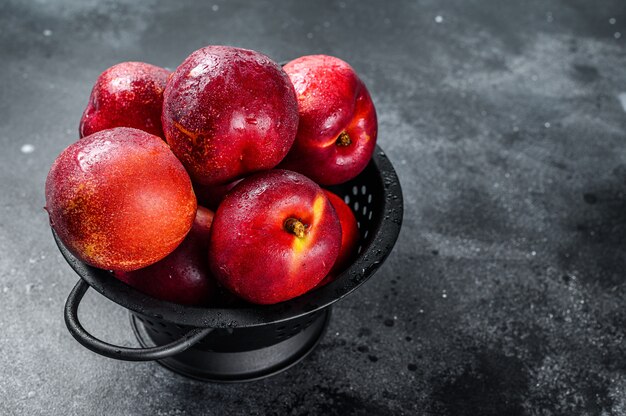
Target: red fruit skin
119	199
183	276
129	94
228	112
331	100
212	196
349	237
254	256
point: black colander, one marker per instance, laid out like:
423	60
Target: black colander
244	342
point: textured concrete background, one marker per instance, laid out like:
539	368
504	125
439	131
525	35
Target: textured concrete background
505	294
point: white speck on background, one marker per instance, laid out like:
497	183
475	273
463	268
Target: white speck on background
438	19
31	394
5	290
215	7
47	32
29	287
309	35
547	125
622	99
533	253
27	148
617	35
612	21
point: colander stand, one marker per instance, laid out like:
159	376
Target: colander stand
248	359
231	354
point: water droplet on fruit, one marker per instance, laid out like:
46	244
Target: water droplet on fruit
92	154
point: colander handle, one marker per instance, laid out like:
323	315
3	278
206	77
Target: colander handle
115	351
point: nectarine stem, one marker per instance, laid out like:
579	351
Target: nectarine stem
295	227
343	139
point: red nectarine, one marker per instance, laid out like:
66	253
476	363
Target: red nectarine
337	131
274	237
349	237
119	199
129	94
228	112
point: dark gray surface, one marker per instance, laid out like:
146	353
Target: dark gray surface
505	294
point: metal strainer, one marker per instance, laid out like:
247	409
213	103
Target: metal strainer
245	342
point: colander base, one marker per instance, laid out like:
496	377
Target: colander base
229	367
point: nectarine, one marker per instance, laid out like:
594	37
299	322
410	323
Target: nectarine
349	237
129	94
337	131
119	199
228	112
274	237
